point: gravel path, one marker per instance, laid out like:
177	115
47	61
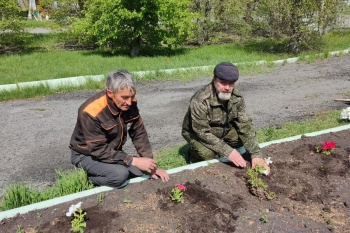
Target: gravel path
35	133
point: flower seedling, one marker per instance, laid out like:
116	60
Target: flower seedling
177	192
327	148
256	185
78	222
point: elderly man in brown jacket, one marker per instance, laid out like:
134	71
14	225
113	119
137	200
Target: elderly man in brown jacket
101	131
217	124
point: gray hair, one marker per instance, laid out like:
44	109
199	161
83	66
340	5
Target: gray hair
119	80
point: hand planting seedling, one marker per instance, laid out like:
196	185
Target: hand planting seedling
78	222
177	192
327	148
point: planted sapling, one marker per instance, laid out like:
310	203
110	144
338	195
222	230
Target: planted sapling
78	222
327	148
177	192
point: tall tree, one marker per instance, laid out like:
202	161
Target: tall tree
12	33
130	24
300	22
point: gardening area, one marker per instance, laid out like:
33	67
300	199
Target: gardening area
308	189
305	192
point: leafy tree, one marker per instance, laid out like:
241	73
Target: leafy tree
129	24
299	22
216	18
61	10
12	33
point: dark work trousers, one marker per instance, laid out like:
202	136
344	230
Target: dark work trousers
112	175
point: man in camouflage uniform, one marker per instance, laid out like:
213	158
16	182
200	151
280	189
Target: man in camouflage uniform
217	124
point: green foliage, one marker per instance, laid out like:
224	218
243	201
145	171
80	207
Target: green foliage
68	182
12	33
19	229
264	217
298	22
254	180
215	19
122	24
172	157
78	222
17	195
62	10
176	194
320	121
100	197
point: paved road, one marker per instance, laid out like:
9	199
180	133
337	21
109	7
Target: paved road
35	133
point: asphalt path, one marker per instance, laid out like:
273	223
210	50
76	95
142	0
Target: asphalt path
35	133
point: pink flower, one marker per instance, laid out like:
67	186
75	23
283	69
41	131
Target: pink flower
181	187
328	145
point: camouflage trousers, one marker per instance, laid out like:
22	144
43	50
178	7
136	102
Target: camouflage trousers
198	152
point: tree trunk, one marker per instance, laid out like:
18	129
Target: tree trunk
135	47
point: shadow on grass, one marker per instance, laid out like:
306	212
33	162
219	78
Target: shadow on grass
279	46
144	52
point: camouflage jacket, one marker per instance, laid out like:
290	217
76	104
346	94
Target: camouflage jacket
210	121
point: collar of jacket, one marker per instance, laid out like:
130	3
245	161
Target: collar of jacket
111	105
214	99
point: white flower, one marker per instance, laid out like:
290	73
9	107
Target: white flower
73	208
268	160
345	114
266	172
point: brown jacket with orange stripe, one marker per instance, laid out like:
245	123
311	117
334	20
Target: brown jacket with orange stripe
101	130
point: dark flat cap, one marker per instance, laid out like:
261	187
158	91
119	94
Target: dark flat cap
226	71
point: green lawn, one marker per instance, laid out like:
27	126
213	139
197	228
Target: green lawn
47	60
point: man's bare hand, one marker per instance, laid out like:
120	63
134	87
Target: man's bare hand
145	164
237	159
260	163
164	176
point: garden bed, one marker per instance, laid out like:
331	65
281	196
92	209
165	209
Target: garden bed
312	195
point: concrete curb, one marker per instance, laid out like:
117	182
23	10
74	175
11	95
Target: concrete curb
80	80
63	199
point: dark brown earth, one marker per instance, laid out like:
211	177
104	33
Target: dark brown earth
312	195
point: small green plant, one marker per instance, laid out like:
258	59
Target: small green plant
322	168
264	218
126	201
38	215
256	185
211	164
100	197
177	193
78	222
328	220
254	180
19	229
227	181
326	149
271	195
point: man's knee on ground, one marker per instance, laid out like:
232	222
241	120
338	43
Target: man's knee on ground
199	153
